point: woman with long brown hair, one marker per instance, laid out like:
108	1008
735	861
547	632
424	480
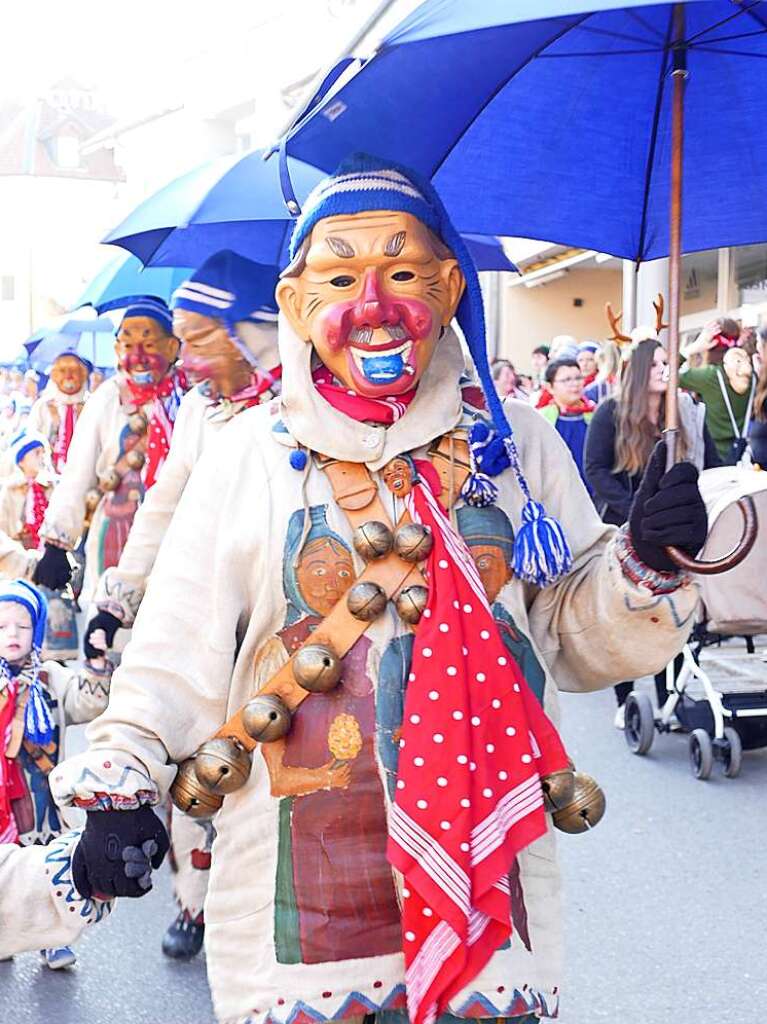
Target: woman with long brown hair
621	436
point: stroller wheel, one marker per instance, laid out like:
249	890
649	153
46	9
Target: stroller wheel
639	728
701	754
732	756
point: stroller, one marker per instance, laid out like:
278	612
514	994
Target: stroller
717	687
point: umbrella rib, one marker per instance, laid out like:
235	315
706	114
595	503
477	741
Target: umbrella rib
502	85
599	53
726	52
645	25
729	39
613	35
752	14
724	21
653	142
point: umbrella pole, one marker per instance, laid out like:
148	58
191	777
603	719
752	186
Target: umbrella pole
679	82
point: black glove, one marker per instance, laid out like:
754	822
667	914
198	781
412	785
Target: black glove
117	852
53	570
667	510
102	620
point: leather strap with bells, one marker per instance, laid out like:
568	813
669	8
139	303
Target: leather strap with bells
355	491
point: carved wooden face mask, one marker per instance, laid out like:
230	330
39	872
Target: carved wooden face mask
69	374
207	351
144	351
372	292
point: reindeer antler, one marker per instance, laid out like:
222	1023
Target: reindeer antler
658	306
614	320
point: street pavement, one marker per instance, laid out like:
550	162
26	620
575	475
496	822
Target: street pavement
665	906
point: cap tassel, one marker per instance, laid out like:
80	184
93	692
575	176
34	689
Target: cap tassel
38	721
478	489
541	552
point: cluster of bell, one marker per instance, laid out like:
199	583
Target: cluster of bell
222	765
412	542
110	481
575	800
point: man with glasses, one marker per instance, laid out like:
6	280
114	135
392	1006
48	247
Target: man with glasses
569	411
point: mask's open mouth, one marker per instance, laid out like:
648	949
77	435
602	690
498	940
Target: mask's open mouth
383	367
141	376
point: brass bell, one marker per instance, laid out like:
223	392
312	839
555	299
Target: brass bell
137	423
266	718
189	794
92	499
413	542
372	540
366	600
110	481
585	810
317	668
222	765
135	458
411	602
558	789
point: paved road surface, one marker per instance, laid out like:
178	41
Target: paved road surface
666	907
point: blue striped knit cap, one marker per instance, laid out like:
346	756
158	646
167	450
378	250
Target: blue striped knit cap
149	306
38	721
363	183
231	288
26	442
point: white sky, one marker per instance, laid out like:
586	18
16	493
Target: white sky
128	51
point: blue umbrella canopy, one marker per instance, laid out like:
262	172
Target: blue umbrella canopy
232	203
125	279
552	119
92	340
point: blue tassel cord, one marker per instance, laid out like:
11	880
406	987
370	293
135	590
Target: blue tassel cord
38	721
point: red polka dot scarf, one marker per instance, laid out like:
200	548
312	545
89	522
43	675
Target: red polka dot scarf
475	743
165	397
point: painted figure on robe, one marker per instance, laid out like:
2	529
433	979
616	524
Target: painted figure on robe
334	885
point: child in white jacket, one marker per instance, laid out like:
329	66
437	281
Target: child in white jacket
37	702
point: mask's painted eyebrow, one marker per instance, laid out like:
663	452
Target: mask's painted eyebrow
340	247
396	244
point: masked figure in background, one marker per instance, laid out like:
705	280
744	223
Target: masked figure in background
58	408
224	316
376	429
24	497
121	440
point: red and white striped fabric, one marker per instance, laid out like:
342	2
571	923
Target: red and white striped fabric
9	770
67	418
474	745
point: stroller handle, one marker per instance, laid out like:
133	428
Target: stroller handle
732	558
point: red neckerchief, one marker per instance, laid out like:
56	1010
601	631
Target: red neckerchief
35	504
577	408
165	397
260	383
64	435
474	745
357	407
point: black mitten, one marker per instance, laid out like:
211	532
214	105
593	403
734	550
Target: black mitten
667	510
102	620
53	570
117	852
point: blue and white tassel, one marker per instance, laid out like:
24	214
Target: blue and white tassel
541	552
38	721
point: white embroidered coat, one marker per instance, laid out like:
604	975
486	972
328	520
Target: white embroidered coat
225	594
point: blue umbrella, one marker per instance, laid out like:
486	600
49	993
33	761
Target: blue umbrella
90	339
232	203
124	279
560	127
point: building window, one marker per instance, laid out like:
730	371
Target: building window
7	288
699	281
750	272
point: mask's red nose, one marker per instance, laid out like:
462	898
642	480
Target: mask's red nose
373	308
